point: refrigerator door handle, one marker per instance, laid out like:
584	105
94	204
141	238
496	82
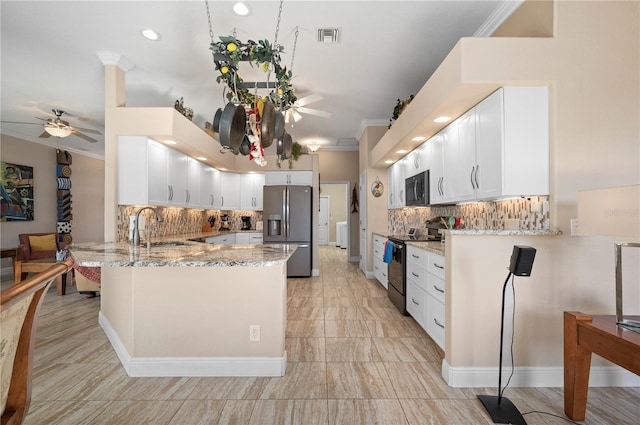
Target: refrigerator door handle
284	213
303	245
287	215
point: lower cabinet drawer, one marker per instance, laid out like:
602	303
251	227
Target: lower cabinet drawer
435	320
435	288
380	270
417	303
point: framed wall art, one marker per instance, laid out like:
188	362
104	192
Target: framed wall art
16	202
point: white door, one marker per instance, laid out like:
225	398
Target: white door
363	221
323	221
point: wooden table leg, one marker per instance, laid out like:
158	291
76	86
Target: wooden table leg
577	362
18	275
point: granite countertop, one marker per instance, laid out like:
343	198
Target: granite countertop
188	253
489	232
433	246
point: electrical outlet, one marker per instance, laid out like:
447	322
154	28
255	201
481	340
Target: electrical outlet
254	332
574	227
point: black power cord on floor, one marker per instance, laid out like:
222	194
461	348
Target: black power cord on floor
513	326
551	414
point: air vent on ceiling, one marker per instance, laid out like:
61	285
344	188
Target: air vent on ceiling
329	35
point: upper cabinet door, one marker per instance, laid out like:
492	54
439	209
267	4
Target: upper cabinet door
283	178
193	182
177	178
230	183
206	187
157	170
450	180
488	146
251	191
467	165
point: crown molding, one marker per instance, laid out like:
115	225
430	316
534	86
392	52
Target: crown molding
110	57
502	12
369	123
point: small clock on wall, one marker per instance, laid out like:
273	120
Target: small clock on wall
377	188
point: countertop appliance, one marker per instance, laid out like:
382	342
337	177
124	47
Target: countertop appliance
433	226
417	190
397	276
287	219
246	222
224	222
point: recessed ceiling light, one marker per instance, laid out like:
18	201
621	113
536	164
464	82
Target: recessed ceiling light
389	161
241	9
150	34
201	158
222	169
401	151
418	139
442	118
170	142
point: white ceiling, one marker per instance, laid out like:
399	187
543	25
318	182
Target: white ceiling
388	50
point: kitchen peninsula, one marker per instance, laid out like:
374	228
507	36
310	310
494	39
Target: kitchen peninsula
184	308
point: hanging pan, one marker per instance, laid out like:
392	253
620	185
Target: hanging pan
288	145
267	124
216	120
233	124
280	147
245	146
279	125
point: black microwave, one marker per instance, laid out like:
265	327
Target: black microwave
417	190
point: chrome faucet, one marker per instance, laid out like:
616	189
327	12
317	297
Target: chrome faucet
136	232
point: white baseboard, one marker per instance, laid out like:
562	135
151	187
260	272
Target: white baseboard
369	275
469	377
315	272
192	366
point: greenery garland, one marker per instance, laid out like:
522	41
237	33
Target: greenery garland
263	54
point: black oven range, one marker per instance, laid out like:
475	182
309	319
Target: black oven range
397	287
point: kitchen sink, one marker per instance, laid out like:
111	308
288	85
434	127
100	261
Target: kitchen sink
168	243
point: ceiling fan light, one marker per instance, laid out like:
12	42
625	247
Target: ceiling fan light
57	131
296	116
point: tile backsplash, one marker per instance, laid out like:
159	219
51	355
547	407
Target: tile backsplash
531	214
176	221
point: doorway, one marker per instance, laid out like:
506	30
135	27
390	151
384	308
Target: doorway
323	221
337	194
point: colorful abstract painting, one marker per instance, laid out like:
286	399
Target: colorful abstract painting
17	192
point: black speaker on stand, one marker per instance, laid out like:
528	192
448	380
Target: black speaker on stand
501	409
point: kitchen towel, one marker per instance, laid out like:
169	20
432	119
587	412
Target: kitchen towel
388	252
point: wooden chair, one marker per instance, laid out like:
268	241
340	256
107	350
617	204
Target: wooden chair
30	260
19	305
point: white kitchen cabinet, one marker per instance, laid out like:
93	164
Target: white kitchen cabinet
416	161
210	196
230	191
157	157
443	158
416	303
426	291
436	170
193	182
248	238
226	239
396	184
251	186
380	268
504	146
295	178
177	178
142	171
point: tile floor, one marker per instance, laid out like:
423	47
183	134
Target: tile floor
352	359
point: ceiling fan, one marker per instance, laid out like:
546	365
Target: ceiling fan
57	127
293	113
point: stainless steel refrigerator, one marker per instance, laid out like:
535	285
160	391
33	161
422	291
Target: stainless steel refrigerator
286	219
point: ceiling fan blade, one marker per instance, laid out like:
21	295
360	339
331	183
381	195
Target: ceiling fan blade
20	122
87	130
309	99
315	112
44	135
83	136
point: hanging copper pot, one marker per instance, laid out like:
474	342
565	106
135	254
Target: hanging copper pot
267	124
233	124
